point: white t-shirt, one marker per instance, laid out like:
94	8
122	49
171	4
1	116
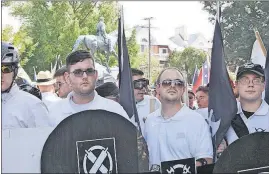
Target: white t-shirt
50	99
258	122
185	135
143	109
67	107
23	110
203	112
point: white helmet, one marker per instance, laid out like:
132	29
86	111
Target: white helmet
9	54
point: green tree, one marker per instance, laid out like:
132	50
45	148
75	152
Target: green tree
142	64
238	19
53	27
187	60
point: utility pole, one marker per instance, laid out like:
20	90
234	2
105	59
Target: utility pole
149	59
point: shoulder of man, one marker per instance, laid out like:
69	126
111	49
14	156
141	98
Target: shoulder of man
152	116
193	115
112	106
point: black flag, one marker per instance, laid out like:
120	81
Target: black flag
126	89
127	99
266	72
222	103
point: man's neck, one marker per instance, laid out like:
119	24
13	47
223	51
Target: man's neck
170	109
250	106
80	99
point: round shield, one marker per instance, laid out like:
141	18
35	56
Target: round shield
249	152
94	141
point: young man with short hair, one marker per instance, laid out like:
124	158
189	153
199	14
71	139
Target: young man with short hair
253	111
145	104
81	77
174	131
61	87
202	100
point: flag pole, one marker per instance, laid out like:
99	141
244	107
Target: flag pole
259	39
218	11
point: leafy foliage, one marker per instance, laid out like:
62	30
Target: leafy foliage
187	60
238	19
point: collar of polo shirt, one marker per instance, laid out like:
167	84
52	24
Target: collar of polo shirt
178	116
262	111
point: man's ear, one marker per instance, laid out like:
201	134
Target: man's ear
67	78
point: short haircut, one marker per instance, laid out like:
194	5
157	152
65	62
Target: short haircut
204	89
190	92
78	56
60	72
137	72
169	68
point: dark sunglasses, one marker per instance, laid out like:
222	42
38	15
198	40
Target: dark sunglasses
140	83
80	72
6	69
176	82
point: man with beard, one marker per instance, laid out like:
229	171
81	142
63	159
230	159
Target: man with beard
174	131
145	104
81	77
253	111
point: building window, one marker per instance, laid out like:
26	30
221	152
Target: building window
142	48
163	51
144	40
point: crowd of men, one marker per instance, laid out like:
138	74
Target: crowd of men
172	129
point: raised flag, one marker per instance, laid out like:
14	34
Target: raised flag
35	76
206	73
222	103
266	72
257	56
198	82
126	89
195	75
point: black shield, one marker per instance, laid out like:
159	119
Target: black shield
93	138
250	151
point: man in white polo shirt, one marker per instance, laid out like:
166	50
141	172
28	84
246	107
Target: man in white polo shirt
81	77
253	111
175	131
145	104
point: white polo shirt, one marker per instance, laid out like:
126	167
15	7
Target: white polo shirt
185	135
50	99
203	112
67	107
258	122
143	109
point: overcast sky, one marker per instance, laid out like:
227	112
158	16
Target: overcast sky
167	16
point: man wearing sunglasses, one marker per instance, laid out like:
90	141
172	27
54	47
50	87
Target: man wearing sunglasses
19	109
61	87
174	131
253	111
81	77
145	104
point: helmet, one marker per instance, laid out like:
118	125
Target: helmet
9	54
32	90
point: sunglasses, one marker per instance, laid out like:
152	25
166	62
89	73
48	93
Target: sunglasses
140	83
6	69
80	72
176	82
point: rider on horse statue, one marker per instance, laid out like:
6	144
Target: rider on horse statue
101	30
